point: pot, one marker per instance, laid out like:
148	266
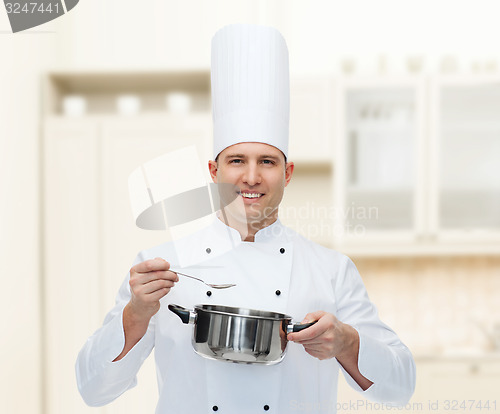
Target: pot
238	335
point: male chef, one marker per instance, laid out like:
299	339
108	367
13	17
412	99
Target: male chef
273	269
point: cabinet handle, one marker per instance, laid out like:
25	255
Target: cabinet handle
474	369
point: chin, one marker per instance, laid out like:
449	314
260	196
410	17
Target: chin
258	219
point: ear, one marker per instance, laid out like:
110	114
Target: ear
212	168
288	172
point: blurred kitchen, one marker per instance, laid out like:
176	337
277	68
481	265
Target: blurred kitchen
395	133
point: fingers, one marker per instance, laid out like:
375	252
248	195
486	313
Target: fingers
320	348
158	294
143	278
325	325
317	353
151	270
309	333
151	265
323	340
156	285
313	316
149	282
311	342
152	276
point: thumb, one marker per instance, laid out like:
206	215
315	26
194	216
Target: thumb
162	259
313	316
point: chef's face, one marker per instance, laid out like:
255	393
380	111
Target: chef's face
259	174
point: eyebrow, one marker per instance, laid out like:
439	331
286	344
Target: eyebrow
235	156
273	157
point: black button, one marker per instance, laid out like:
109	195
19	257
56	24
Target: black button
278	292
266	407
208	250
209	293
215	408
282	250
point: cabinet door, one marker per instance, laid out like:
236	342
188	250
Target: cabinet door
378	160
466	159
72	268
311	118
124	146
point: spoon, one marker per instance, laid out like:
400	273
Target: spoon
213	286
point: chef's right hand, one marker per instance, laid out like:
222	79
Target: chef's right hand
149	282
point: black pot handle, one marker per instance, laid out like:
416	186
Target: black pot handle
299	326
181	312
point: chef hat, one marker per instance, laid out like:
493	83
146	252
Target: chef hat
250	87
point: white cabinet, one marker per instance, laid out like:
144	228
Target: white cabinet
90	238
466	158
72	295
417	166
311	120
307	203
378	163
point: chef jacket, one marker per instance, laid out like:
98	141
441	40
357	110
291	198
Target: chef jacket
281	271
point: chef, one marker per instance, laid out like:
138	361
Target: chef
273	267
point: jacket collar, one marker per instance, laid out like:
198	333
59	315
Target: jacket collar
275	232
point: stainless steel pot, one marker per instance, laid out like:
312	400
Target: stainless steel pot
238	335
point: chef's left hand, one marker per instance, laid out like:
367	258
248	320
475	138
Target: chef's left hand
327	338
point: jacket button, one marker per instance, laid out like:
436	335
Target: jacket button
278	292
282	250
209	293
215	408
208	250
266	407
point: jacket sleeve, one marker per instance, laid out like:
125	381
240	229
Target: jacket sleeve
383	358
99	379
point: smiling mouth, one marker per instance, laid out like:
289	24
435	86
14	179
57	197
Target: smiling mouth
250	195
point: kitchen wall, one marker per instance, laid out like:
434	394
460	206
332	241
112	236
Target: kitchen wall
438	305
22	60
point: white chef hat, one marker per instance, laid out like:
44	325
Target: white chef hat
250	87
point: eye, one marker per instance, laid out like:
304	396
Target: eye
235	161
268	162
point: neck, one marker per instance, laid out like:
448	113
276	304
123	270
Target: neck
247	230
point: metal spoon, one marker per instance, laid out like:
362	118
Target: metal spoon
213	286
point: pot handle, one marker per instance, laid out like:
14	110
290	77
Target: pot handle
298	327
186	315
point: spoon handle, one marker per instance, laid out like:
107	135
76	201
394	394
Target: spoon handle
183	274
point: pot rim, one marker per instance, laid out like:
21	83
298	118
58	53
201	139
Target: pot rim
248	313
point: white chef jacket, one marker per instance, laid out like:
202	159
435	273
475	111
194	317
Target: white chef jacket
282	272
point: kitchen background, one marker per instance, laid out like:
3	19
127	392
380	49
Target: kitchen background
395	131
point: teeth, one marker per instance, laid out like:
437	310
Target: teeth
250	195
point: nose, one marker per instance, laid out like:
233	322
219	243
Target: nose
252	175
